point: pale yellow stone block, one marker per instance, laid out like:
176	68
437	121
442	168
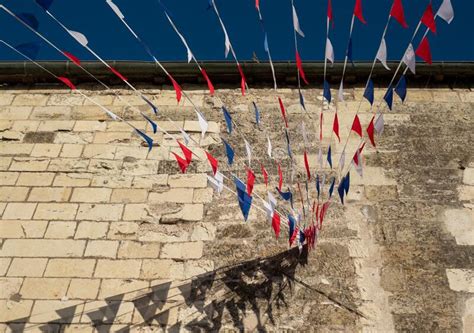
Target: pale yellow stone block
123	230
129	195
10	311
188	250
188	180
44	288
49	194
55	125
25	126
71	150
30	100
61	229
118	268
129	288
83	289
44	311
46	150
30	267
51	112
15	112
112	137
90	126
132	250
19	211
150	181
56	211
99	151
16	149
9	287
11	193
91	195
29	164
4	265
22	229
101	249
72	179
35	179
115	181
70	268
8	178
42	248
174	195
100	212
91	230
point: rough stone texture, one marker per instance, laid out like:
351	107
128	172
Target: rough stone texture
98	234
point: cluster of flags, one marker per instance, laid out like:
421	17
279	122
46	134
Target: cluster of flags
304	224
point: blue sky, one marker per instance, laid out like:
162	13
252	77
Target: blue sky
109	38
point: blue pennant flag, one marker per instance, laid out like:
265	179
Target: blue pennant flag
29	19
287	196
318	188
265	43
340	190
152	123
369	92
302	100
154	108
329	156
291	225
228	119
210	4
349	51
331	187
31	50
302	237
257	114
288	144
401	88
148	140
45	4
346	182
388	97
245	200
327	91
229	152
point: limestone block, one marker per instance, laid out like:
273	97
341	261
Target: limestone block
44	288
70	268
188	180
42	248
11	193
35	179
61	229
71	150
15	112
126	289
100	212
461	280
30	267
460	223
189	250
129	195
83	289
132	250
49	194
55	211
19	211
51	112
101	249
45	311
118	268
29	164
91	195
55	125
72	179
174	195
22	229
91	230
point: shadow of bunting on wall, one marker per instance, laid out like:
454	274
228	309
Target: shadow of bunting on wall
257	285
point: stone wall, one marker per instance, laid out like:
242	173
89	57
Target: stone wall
98	234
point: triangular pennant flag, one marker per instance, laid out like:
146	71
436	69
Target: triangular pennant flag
409	58
151	122
29	19
257	114
269	147
188	154
213	162
242	79
148	140
401	88
382	54
79	37
388	97
327	91
358	11
446	11
329	13
356	127
347	182
185	136
369	92
209	83
249	151
318	185
268	208
31	49
216	182
250	181
379	124
228	119
306	165
264	174
299	65
302	100
283	112
276	224
370	131
291	228
67	82
397	13
342	160
265	43
428	18
227	44
280	177
329	51
229	152
335	126
331	187
177	89
329	157
340	93
117	10
182	163
45	3
117	73
272	200
340	190
154	108
423	50
245	200
203	124
72	57
296	22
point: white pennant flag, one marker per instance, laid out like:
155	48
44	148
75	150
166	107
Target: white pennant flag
227	44
249	151
409	58
296	23
268	209
446	11
340	93
269	147
116	10
271	200
111	114
382	54
81	39
379	124
202	123
185	135
190	54
358	166
216	182
329	51
342	160
305	137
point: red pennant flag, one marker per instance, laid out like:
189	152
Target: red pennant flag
358	11
183	164
280	177
423	51
257	4
323	211
299	64
213	162
357	154
250	181
329	10
242	79
428	18
209	83
335	126
265	174
177	89
120	76
397	13
306	165
283	112
276	223
188	154
293	237
356	127
67	82
370	131
72	57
